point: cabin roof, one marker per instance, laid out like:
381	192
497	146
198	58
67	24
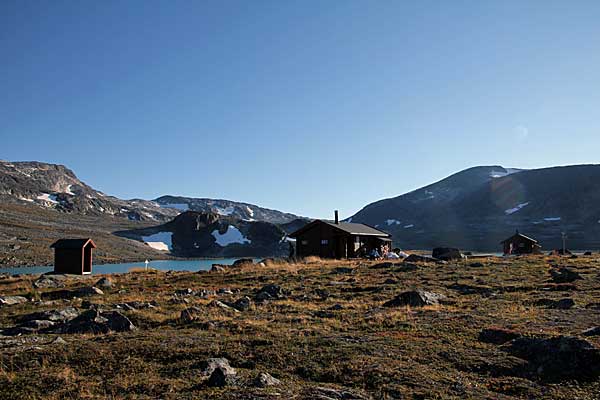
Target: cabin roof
347	227
72	243
521	236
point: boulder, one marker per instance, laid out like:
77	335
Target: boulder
587	253
418	258
415	298
243	303
185	292
12	300
269	292
105	283
558	358
218	268
446	253
190	314
242	262
87	291
564	275
63	315
48	282
496	335
264	379
562	304
94	321
220	377
210	365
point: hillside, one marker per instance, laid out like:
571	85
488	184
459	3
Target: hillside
478	207
226	208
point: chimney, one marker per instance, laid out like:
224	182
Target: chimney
337	219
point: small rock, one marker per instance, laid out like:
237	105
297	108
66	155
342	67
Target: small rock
12	300
343	270
264	379
415	298
224	291
58	341
221	305
48	282
476	265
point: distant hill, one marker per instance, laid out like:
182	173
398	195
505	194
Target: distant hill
478	207
200	234
228	208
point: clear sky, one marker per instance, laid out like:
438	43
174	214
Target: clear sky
302	106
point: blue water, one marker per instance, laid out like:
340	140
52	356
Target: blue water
175	265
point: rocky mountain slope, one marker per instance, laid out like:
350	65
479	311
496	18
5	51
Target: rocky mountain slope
57	187
199	234
227	208
478	207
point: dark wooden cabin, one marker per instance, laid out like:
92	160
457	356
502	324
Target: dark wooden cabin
73	256
336	239
520	244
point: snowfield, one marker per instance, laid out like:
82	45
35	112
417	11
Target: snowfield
232	235
550	219
392	221
159	241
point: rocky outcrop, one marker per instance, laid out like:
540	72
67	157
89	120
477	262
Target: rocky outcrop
415	298
558	358
194	234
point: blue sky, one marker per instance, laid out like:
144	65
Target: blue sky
299	106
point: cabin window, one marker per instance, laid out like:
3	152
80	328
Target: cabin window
324	241
304	242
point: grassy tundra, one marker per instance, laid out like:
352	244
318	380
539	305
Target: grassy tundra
326	332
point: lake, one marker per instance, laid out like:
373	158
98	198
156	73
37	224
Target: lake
175	265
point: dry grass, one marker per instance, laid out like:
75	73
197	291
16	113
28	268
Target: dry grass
406	352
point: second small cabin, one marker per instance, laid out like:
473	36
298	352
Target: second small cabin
520	244
73	256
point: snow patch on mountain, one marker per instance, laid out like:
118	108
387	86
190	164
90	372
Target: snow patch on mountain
516	208
50	198
506	172
224	211
391	222
159	241
550	219
232	235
